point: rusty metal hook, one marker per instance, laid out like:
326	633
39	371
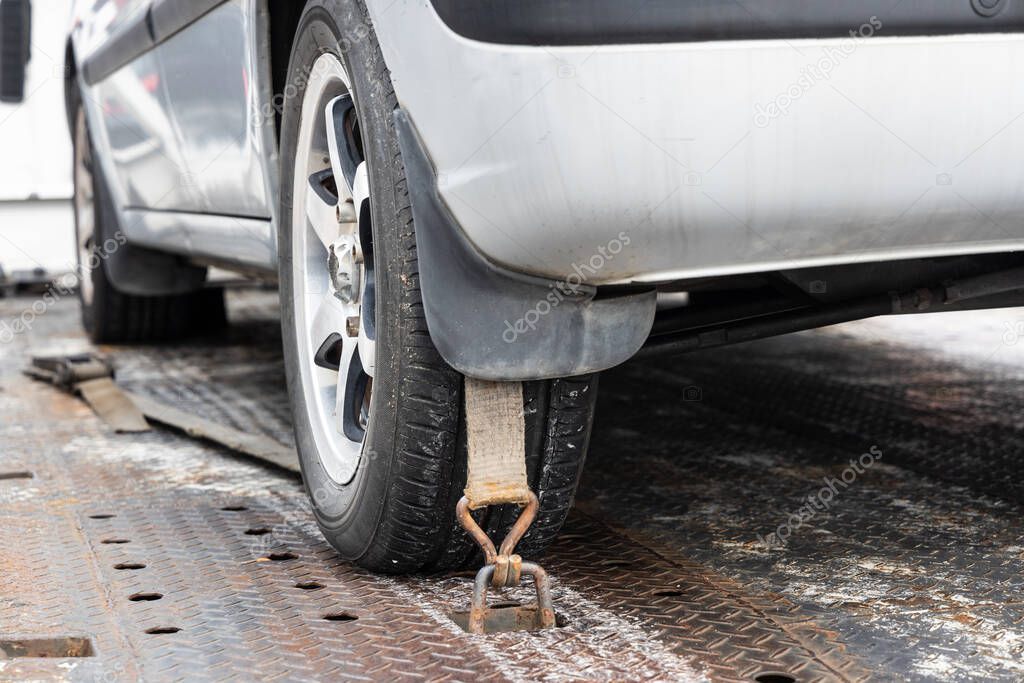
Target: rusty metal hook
505	569
515	534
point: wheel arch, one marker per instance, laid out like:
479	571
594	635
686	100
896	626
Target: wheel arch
283	22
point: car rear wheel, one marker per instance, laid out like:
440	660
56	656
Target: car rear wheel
377	411
109	315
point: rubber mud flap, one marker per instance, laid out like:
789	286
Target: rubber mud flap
472	305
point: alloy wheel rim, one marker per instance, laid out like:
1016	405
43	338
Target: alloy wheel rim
332	270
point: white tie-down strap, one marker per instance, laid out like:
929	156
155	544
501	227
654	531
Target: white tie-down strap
496	431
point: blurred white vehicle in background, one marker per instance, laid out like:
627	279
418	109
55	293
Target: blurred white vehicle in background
36	223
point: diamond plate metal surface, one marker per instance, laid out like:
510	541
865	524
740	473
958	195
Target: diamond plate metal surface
917	563
913	575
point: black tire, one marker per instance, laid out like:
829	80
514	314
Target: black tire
111	316
396	515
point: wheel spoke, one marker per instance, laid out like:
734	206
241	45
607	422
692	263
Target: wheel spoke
368	296
360	187
329	319
85	184
351	384
343	157
321	211
367	347
86	227
355	211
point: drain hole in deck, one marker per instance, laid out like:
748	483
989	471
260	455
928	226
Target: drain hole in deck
162	630
309	585
145	597
281	557
114	541
129	565
774	678
257	532
340	616
16	475
234	508
102	516
56	648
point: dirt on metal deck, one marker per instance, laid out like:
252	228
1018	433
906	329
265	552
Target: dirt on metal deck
719	533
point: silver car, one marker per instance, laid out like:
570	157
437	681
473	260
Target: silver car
532	191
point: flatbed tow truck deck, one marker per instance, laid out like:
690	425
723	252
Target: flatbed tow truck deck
704	545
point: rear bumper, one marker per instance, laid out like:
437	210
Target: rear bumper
607	22
716	158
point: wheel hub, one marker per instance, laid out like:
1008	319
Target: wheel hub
344	264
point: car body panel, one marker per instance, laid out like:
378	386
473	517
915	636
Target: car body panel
244	243
614	22
717	157
179	135
207	71
141	141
